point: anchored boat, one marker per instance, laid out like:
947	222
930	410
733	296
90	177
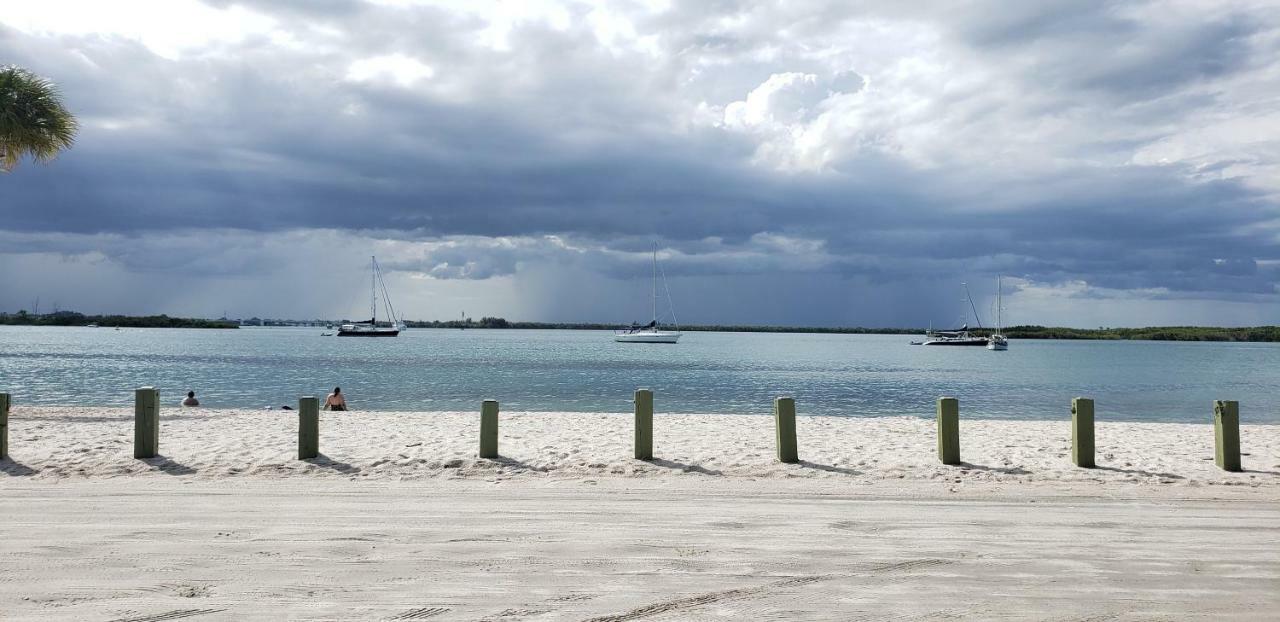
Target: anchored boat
653	331
960	336
997	341
372	328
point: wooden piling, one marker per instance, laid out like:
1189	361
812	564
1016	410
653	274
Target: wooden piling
1226	434
308	427
949	430
489	429
1082	448
644	424
146	422
784	419
4	426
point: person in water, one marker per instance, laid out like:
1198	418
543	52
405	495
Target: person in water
335	401
191	399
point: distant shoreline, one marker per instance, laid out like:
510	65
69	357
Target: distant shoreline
71	318
1254	334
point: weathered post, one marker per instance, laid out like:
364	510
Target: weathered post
784	420
146	422
489	429
4	426
1226	434
644	424
949	430
308	427
1082	432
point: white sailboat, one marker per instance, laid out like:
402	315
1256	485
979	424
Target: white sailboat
998	341
371	328
651	332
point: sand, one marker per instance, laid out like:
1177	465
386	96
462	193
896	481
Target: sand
399	521
59	443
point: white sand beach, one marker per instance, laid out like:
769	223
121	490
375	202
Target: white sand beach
398	520
59	443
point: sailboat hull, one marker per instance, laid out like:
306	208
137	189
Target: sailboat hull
974	341
367	330
660	336
368	333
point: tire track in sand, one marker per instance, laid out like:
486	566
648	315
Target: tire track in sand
715	597
706	599
170	615
421	613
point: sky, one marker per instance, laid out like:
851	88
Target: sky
796	162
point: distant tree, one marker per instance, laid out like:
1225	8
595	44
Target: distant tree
33	121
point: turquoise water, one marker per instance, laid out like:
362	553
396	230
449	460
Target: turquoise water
854	375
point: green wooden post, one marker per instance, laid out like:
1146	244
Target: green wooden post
644	424
4	426
784	420
1082	432
1226	434
146	422
949	430
489	429
308	427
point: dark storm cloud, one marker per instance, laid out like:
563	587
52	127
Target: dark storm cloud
556	133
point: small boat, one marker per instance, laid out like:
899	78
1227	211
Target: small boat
326	334
998	341
959	336
653	331
91	325
372	328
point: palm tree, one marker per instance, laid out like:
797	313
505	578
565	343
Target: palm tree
33	121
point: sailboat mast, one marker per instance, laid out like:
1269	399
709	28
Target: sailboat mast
999	304
373	289
971	305
655	286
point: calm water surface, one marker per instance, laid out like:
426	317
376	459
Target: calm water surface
853	375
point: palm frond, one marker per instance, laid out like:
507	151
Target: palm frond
33	121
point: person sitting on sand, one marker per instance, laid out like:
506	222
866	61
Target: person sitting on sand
335	401
191	399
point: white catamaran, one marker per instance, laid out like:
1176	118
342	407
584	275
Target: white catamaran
652	332
998	341
372	328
